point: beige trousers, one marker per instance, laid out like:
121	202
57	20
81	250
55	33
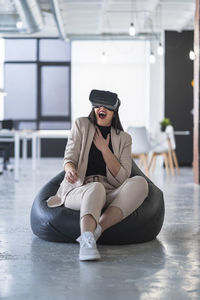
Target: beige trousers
97	193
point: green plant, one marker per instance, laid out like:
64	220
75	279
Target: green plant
164	123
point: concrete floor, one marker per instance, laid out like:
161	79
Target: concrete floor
166	268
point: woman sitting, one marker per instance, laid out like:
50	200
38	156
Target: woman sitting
97	165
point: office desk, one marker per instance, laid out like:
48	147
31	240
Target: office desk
35	136
44	134
14	136
183	132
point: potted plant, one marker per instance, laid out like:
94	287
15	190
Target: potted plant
164	123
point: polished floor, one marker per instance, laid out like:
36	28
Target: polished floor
166	268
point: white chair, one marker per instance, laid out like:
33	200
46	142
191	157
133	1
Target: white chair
165	145
140	145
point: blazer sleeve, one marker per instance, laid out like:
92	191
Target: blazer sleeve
73	146
125	161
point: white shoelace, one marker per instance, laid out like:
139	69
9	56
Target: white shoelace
86	241
89	242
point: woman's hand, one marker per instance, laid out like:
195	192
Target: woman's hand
99	140
71	174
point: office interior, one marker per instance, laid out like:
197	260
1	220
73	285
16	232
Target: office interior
52	54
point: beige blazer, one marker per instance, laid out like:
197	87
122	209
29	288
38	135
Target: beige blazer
77	152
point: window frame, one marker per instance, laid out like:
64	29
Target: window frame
39	65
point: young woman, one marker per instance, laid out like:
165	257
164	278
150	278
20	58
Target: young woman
97	165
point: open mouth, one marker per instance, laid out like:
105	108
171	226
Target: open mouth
102	115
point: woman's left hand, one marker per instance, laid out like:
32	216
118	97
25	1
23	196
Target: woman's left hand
99	140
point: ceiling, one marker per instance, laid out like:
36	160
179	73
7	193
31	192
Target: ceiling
82	19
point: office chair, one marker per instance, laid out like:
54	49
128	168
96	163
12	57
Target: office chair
140	145
166	146
5	147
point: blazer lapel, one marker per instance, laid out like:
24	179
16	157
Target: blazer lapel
91	132
115	142
88	141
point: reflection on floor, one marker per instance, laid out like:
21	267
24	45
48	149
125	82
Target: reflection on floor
166	268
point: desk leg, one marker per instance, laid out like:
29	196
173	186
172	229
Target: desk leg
24	141
16	155
38	148
34	150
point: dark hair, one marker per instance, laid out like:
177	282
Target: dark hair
116	123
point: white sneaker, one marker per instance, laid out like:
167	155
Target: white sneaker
97	232
88	247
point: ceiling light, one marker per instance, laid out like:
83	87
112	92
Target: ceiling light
152	58
19	24
160	49
132	29
192	55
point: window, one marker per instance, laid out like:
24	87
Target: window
37	80
54	50
54	91
20	84
21	50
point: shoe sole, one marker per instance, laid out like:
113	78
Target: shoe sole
87	257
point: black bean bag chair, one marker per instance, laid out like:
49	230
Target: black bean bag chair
61	224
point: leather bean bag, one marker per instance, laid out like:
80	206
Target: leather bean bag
61	224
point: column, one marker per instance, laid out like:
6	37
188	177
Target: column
196	153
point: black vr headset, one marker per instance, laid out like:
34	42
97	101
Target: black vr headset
104	98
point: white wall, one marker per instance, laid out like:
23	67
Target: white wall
127	72
123	73
156	91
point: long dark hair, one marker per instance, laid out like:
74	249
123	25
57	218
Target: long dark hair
116	123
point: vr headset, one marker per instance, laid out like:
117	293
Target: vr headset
104	98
